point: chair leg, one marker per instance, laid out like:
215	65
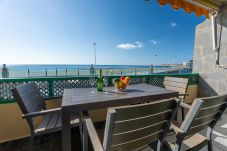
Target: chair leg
31	143
177	147
209	137
209	145
159	146
182	112
81	128
85	137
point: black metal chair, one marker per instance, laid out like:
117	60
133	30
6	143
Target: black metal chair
33	105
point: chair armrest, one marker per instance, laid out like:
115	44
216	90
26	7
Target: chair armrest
54	97
183	94
40	113
176	129
97	146
185	105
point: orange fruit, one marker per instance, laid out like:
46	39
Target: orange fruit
122	85
126	80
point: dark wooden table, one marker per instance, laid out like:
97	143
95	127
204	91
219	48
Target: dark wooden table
78	100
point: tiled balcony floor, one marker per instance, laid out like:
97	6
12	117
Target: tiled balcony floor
220	135
53	142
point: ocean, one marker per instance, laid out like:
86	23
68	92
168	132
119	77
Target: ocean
81	70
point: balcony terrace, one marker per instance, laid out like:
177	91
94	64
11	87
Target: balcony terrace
209	62
15	131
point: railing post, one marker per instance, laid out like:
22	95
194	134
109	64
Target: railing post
50	87
66	71
78	71
46	72
56	71
107	72
152	69
147	79
121	71
28	73
110	80
135	71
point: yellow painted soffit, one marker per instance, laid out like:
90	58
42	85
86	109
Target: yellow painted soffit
199	7
208	4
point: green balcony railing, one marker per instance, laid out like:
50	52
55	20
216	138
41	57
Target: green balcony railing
51	87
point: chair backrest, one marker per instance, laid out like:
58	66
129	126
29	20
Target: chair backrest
205	112
177	84
28	98
133	126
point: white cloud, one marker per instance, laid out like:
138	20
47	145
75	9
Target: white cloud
154	42
173	24
128	46
139	44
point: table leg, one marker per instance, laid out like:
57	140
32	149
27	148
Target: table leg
81	128
66	131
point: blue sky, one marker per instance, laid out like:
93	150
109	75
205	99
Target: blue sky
63	31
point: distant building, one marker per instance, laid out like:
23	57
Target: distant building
184	63
188	63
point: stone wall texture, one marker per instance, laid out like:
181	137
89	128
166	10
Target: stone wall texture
213	79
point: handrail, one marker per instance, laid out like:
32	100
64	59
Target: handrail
83	77
52	87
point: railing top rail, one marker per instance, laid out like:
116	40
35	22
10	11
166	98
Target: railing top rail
25	79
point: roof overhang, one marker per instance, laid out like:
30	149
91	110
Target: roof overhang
207	4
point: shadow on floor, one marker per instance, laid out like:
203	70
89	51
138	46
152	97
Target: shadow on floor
52	142
49	142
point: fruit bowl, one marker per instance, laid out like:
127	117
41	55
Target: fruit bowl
119	89
121	83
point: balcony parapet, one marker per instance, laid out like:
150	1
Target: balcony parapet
52	87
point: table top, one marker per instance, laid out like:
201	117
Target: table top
82	99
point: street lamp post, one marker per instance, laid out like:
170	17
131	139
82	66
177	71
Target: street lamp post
95	53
